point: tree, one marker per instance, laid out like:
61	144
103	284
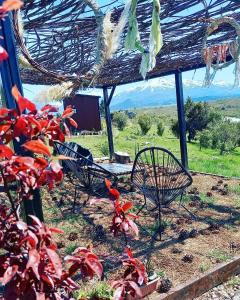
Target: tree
223	136
160	128
120	120
198	117
145	123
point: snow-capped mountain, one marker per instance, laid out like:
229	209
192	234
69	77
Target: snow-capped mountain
161	91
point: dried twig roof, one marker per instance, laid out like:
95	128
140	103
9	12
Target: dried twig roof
61	36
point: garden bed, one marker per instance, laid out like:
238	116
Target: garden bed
189	247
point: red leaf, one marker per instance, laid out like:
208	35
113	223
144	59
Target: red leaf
108	183
96	266
129	252
115	193
136	288
3	54
40	163
23	103
118	294
5	152
40	296
33	261
55	261
73	122
133	227
68	112
127	206
21	127
4	112
37	146
9	274
49	108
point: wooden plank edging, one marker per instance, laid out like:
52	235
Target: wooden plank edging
201	284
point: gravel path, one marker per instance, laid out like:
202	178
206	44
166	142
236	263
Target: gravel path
227	291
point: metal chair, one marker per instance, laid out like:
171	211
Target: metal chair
159	175
90	176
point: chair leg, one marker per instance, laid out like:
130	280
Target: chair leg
75	199
158	234
183	206
142	207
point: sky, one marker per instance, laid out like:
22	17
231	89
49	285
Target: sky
225	75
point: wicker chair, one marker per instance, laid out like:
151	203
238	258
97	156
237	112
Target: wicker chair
86	175
161	178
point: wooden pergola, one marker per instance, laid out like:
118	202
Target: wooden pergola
60	37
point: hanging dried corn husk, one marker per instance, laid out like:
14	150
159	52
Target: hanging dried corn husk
133	40
215	57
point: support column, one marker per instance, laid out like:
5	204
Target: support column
181	118
10	76
107	101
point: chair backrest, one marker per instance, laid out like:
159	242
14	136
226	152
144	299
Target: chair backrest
157	172
83	168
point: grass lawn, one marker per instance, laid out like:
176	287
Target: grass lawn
205	160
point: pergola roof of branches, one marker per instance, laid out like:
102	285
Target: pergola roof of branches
61	36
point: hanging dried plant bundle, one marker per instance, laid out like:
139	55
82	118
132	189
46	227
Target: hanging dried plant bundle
113	32
55	93
133	40
215	57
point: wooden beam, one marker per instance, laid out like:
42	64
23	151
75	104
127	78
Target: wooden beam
108	122
181	118
199	285
111	94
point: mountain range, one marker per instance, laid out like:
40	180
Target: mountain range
161	92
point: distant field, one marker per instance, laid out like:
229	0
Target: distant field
205	160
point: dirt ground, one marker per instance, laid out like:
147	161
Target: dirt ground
189	246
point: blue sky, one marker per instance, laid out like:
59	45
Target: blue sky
226	75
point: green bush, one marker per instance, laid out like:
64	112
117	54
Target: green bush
145	123
224	136
120	120
160	128
205	139
199	116
104	149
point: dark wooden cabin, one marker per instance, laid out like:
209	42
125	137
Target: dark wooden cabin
87	113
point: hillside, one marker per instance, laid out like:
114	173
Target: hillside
161	92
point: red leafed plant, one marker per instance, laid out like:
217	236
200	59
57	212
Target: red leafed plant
121	222
31	268
135	275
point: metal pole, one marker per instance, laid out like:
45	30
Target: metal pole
181	118
108	122
10	76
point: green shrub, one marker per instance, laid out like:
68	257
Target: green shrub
160	128
175	129
205	139
145	123
120	120
104	149
223	136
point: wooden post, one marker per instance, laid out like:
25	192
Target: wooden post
107	101
181	118
10	76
